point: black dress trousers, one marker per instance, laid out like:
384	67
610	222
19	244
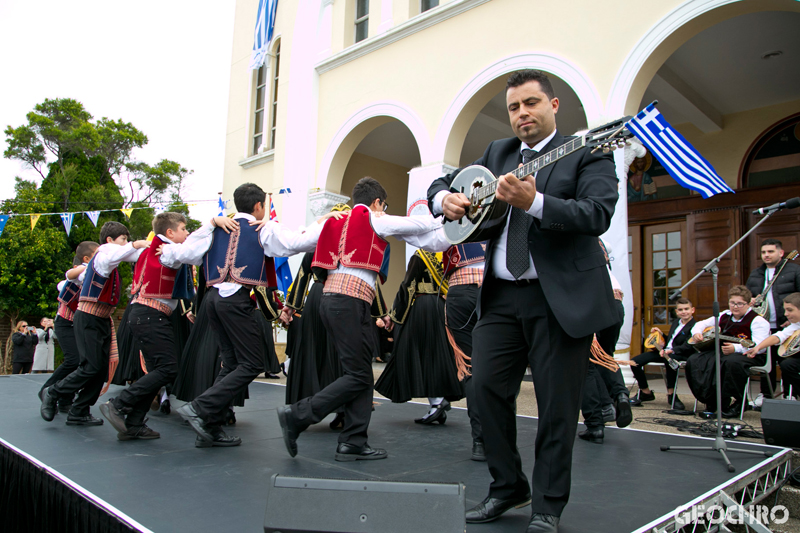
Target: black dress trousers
517	328
242	347
461	319
350	326
65	332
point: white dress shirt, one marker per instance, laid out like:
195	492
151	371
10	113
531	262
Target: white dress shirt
413	229
109	256
759	329
677	330
786	332
276	240
535	210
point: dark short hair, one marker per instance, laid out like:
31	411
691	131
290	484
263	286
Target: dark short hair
772	242
367	190
114	230
521	77
246	196
793	298
683	301
167	220
742	291
84	249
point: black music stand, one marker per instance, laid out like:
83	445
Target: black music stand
719	443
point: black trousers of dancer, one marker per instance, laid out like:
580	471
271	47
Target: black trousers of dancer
155	337
65	332
93	339
350	328
461	319
601	384
517	328
242	348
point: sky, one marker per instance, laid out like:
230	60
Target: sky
162	65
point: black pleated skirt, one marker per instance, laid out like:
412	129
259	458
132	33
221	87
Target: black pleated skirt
422	363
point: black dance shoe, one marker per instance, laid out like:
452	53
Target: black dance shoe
290	433
220	439
492	508
438	415
622	403
349	452
166	407
593	435
48	409
338	422
543	523
114	416
478	451
678	405
139	433
230	418
87	420
198	424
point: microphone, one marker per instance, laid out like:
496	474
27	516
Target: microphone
791	203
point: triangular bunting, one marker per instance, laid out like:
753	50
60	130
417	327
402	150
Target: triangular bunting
34	220
66	218
3	220
93	216
127	211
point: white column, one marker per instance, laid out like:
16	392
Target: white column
419	179
320	203
325	29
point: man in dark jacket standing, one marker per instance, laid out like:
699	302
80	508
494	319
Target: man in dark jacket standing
788	281
545	292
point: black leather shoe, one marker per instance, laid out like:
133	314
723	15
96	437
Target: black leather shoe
48	409
230	418
114	416
438	415
87	420
593	435
166	407
142	432
198	424
609	413
290	433
491	508
734	411
220	439
338	422
622	403
348	452
678	403
542	523
478	451
64	407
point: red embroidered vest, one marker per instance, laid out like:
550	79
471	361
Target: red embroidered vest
739	329
352	242
151	279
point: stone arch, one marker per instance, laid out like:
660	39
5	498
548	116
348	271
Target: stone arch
488	82
667	35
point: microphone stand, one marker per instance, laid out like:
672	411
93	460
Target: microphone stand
719	443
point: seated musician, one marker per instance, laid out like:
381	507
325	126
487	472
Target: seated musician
790	365
675	348
739	322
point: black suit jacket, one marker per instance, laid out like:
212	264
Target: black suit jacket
680	348
580	192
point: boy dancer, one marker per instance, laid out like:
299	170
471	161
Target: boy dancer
156	291
790	366
234	264
69	292
353	250
94	328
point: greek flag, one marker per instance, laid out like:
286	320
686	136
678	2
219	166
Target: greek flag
265	23
682	161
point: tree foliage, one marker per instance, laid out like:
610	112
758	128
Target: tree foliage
85	165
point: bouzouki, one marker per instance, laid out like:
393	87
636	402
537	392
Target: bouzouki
486	215
708	340
790	346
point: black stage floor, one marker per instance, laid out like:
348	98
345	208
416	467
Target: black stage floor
168	485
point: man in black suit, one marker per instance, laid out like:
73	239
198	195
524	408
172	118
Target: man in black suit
545	294
675	347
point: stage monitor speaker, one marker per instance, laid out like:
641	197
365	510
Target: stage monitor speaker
780	421
302	504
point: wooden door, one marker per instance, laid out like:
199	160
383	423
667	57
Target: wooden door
635	268
663	271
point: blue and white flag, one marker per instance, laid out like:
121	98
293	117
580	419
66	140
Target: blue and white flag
683	162
285	191
93	216
66	218
3	220
265	23
284	274
221	206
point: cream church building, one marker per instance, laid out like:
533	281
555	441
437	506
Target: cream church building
408	90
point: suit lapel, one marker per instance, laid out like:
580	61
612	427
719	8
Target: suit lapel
544	174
